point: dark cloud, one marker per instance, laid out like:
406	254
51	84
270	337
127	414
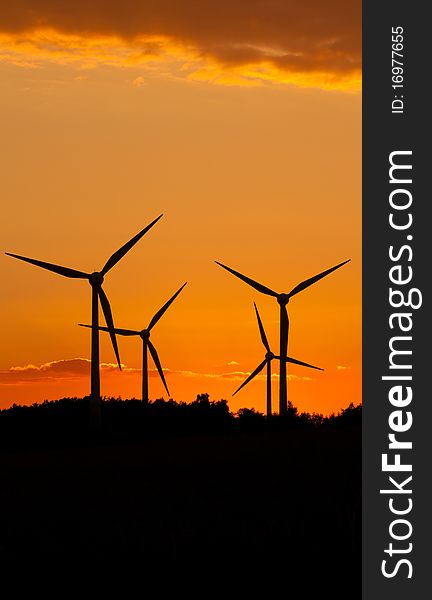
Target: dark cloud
300	36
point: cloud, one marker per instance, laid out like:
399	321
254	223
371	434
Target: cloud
342	368
68	369
233	375
79	368
317	42
138	81
233	363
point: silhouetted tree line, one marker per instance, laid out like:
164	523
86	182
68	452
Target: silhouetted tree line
66	421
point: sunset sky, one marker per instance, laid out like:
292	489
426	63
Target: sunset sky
241	122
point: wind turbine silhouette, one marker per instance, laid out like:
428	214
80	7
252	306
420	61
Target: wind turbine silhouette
147	345
96	280
267	361
283	300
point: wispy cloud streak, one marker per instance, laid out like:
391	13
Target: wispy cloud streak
79	368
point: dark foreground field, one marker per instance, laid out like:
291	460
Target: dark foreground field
248	501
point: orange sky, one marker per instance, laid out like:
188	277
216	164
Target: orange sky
242	124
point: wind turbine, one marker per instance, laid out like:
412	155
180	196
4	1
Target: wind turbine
96	280
283	300
267	361
144	334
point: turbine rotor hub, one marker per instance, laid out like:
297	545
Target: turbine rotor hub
145	334
283	299
96	278
270	356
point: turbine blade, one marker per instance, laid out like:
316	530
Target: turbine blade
262	332
164	308
118	255
305	284
158	364
117	331
65	271
258	286
252	375
303	364
106	308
